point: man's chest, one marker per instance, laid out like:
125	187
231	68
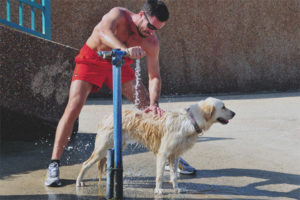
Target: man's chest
130	39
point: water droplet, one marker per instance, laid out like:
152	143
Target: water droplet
69	148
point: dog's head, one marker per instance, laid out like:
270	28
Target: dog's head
211	110
214	110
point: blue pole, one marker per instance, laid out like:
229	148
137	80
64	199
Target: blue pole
32	17
20	13
110	174
117	102
46	18
8	10
117	62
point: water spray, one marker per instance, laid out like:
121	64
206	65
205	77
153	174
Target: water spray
137	84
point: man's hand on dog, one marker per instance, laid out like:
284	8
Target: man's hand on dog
155	109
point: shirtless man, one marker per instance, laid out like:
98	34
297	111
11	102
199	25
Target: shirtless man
118	29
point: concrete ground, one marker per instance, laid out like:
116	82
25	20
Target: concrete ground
255	156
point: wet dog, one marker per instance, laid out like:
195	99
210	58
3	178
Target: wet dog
167	137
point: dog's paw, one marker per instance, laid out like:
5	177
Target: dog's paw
179	190
79	184
158	191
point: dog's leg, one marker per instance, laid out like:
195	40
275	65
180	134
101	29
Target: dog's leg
85	166
101	166
103	142
173	161
160	166
171	165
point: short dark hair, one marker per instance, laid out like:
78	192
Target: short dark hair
156	8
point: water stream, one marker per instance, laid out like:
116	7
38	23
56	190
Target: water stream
138	78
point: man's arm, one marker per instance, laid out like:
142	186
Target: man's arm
154	81
152	60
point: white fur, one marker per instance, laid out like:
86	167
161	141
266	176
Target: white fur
167	137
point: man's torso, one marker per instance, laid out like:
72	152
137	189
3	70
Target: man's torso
125	32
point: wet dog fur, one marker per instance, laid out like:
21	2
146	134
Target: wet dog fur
167	137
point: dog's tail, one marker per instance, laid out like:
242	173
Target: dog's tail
101	167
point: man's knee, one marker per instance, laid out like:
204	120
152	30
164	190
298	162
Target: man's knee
78	93
73	108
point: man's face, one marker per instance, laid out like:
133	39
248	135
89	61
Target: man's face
148	25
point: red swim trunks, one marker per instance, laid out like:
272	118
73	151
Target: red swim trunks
94	69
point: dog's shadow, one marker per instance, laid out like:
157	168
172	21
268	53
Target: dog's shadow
210	139
263	178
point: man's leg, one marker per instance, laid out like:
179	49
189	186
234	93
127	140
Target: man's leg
79	91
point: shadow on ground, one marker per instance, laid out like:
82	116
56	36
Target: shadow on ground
269	178
79	149
82	145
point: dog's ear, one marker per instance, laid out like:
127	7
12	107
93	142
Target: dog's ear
207	110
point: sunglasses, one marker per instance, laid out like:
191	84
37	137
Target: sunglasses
149	25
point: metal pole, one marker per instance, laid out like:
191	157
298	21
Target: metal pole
46	18
117	62
32	17
20	13
117	102
8	10
110	174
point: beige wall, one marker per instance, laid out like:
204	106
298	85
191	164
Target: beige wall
208	46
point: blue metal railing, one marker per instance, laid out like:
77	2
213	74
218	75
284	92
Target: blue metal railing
45	8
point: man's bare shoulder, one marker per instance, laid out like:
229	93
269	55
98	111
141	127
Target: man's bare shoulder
121	11
116	16
151	44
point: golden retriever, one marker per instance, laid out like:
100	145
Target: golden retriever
167	137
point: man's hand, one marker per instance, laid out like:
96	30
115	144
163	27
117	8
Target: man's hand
155	109
136	52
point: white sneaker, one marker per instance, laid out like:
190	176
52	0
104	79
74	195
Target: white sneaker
183	167
52	178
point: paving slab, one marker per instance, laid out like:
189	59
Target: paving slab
255	156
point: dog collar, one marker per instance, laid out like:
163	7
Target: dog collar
197	128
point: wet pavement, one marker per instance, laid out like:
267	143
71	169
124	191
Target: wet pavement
255	156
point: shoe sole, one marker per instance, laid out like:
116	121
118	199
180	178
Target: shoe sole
53	183
167	168
187	173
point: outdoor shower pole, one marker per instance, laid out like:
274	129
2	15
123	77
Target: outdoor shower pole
117	62
117	102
